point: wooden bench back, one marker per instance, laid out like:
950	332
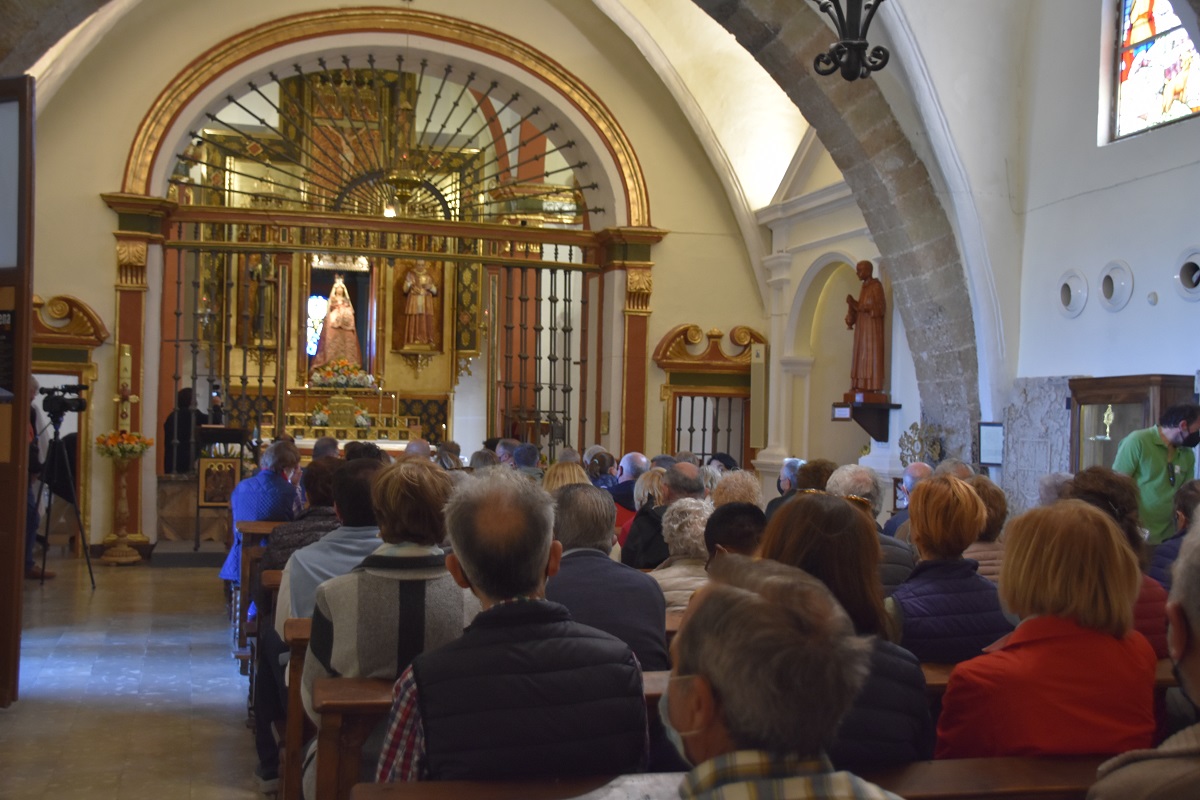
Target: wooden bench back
961	779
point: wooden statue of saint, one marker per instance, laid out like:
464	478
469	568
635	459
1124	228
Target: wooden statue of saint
419	325
865	317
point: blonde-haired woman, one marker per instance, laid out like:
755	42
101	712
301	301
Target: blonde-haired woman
946	611
647	494
563	473
1074	678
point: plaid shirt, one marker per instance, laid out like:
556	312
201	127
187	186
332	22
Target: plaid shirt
403	754
757	775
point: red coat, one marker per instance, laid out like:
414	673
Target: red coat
1150	615
1051	688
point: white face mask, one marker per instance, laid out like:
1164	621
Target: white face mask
664	714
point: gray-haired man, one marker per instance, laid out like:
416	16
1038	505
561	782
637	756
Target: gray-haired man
736	717
526	692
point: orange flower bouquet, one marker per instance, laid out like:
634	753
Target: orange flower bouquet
122	445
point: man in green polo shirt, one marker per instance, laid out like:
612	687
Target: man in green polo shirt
1161	459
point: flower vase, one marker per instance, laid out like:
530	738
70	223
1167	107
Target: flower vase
120	553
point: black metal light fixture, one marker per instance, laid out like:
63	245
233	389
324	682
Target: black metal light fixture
849	53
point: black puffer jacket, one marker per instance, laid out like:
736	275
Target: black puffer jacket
527	692
889	724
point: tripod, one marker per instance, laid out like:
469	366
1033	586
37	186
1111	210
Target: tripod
58	459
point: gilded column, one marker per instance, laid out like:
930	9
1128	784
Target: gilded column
627	251
140	226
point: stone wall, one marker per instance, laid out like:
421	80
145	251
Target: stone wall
1037	441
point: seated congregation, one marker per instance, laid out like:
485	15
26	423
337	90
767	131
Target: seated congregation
606	617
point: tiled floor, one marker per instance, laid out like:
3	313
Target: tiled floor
127	692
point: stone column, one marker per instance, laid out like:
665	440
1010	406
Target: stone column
139	226
778	267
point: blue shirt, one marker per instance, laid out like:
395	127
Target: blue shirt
262	497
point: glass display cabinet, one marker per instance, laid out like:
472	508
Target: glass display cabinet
1105	410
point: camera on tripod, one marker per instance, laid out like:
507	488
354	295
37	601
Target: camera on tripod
62	399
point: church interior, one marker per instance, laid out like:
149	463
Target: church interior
632	223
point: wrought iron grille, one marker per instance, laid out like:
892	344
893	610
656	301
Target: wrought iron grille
706	425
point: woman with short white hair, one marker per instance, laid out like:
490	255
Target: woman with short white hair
684	570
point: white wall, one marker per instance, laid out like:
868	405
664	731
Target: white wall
1086	205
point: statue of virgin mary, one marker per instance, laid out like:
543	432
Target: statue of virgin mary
339	337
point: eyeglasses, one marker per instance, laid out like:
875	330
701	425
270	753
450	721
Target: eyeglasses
1171	472
858	500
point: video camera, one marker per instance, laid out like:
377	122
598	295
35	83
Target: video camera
58	400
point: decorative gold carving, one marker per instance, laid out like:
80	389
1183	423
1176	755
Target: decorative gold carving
131	253
638	286
237	49
673	353
304	232
418	362
125	398
921	442
66	320
464	366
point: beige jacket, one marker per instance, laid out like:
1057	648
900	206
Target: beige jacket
679	578
990	556
1170	772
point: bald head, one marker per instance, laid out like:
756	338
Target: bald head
501	526
418	448
682	480
915	473
632	465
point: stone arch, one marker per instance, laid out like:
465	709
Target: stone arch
201	82
907	220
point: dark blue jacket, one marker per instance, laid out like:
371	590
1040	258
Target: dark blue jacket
623	494
950	612
889	724
529	693
892	525
616	599
1164	556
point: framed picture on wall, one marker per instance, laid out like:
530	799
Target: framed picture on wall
991	444
218	476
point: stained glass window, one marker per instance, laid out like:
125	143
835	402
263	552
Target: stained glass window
317	306
1158	70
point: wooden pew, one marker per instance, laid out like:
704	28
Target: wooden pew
936	676
298	729
1066	778
254	539
961	779
673	620
350	708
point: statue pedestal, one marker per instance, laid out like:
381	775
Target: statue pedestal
873	416
873	398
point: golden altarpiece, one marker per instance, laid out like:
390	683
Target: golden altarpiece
346	238
342	244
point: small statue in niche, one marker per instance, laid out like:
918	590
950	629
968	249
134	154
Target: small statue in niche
419	289
865	317
339	334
